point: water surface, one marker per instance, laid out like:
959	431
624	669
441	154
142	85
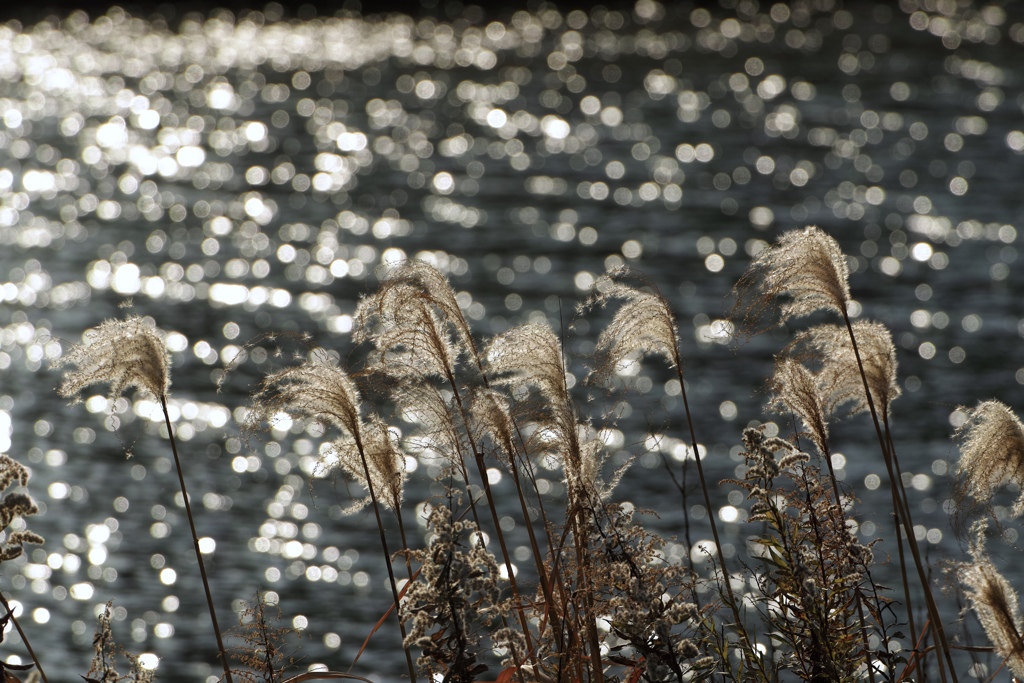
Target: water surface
235	174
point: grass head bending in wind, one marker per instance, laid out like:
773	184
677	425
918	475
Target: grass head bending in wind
124	354
994	602
127	354
805	268
805	271
319	390
991	453
410	321
642	325
836	374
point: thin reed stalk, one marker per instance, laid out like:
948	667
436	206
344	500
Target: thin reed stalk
195	542
24	638
644	324
903	512
357	437
127	354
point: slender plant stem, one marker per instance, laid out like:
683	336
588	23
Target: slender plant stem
481	468
195	542
903	510
387	553
24	638
727	578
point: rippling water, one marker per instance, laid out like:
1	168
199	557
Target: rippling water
241	173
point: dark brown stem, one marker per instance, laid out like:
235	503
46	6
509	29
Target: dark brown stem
195	543
24	638
727	579
387	554
903	511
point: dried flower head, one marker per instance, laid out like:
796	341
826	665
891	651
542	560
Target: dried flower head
995	602
15	504
122	353
643	325
807	266
795	388
410	319
828	348
105	653
453	599
317	389
991	452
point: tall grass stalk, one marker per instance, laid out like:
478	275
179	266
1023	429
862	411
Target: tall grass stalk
319	390
903	512
24	638
607	592
809	272
125	354
195	541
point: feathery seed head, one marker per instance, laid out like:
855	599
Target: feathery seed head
795	388
12	471
410	320
431	409
492	416
384	460
991	452
410	337
643	325
317	390
528	356
995	602
807	266
434	287
828	348
122	353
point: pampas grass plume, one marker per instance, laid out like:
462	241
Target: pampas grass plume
796	389
995	602
122	353
807	266
991	451
828	347
643	325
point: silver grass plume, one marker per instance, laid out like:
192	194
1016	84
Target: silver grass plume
492	417
384	460
796	389
828	348
995	602
410	320
131	353
316	389
991	452
643	324
431	410
321	391
434	288
122	353
410	338
806	266
530	357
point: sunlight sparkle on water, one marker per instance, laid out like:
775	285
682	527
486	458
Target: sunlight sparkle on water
238	173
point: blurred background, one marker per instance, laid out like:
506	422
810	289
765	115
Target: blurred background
245	170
